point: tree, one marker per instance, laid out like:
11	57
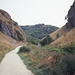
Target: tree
46	40
57	35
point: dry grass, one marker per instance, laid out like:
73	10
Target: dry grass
66	39
8	43
5	45
60	31
42	58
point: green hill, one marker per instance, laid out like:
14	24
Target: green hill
38	31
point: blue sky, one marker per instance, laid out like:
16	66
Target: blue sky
30	12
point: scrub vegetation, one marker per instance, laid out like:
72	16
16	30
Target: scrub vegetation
49	60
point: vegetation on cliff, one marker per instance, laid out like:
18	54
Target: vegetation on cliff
10	27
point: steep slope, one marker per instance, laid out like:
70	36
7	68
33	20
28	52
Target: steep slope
10	27
11	35
66	39
39	30
60	32
67	32
6	44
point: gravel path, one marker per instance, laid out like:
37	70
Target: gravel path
13	65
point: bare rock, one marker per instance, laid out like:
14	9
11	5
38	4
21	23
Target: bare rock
10	27
71	17
5	14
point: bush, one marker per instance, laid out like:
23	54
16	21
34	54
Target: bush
57	35
70	49
24	49
46	40
34	42
65	67
68	65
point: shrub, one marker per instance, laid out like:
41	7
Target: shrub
57	35
46	40
70	49
24	49
65	67
34	42
68	65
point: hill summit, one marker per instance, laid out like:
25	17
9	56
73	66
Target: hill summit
38	30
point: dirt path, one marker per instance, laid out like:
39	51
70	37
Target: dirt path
13	65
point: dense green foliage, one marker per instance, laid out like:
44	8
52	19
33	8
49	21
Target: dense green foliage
32	39
69	48
20	36
65	67
24	49
46	40
39	30
34	42
68	64
57	35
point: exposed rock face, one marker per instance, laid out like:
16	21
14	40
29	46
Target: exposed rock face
5	29
71	16
10	27
5	14
67	32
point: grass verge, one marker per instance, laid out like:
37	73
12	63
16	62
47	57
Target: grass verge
48	61
5	47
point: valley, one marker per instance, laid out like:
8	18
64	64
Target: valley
40	49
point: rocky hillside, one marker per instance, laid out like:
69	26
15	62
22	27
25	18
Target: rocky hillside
71	17
10	27
66	34
39	30
11	35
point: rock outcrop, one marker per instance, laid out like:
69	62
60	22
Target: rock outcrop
67	32
71	17
10	27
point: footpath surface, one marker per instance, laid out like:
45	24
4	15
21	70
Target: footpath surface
13	65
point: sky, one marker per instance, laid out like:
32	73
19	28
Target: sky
31	12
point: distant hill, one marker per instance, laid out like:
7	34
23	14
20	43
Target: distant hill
66	34
39	30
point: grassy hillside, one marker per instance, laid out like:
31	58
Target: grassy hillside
39	30
66	39
63	30
66	35
6	44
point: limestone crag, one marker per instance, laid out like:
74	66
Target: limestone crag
5	14
71	16
10	27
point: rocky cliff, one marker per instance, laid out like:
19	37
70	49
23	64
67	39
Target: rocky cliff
71	16
10	27
67	32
